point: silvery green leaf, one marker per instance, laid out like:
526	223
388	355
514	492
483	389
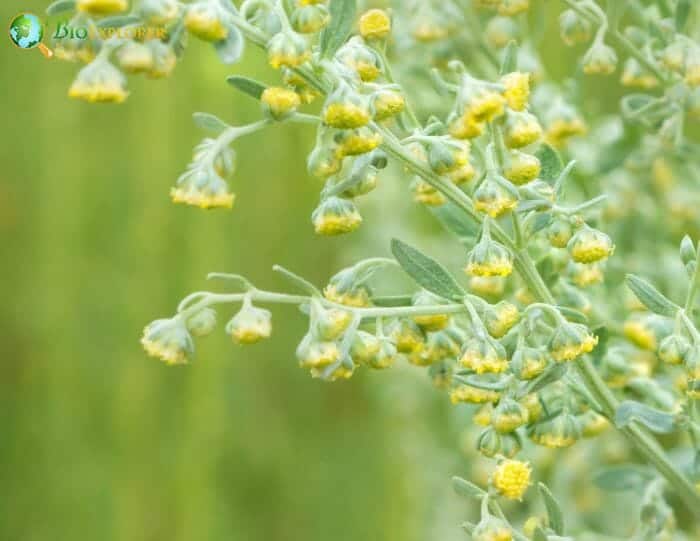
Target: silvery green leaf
572	315
546	269
453	220
209	123
650	297
554	373
466	488
246	85
621	478
334	35
550	161
682	12
510	58
427	272
603	334
60	6
231	48
656	421
539	222
479	382
554	513
118	21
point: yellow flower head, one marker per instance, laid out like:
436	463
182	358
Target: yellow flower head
168	340
407	335
500	318
342	371
559	233
473	395
427	195
492	529
344	289
508	416
521	168
589	245
494	198
528	363
462	174
600	59
202	323
465	126
438	347
204	21
357	141
375	24
364	347
593	424
562	122
673	349
287	49
203	188
345	115
361	59
585	275
517	89
692	67
484	105
328	324
562	431
573	28
316	355
250	325
159	12
489	258
521	129
640	333
135	57
385	358
634	75
482	417
387	103
483	356
99	82
429	322
487	286
164	59
336	216
102	7
279	102
510	8
571	340
511	478
310	19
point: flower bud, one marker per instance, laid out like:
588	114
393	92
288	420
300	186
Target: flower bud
500	31
447	156
484	355
489	258
387	104
204	20
482	417
674	55
489	442
493	197
432	322
500	318
573	28
600	59
571	340
316	355
135	57
328	324
407	335
341	371
287	49
375	24
673	348
345	288
589	245
361	59
521	129
463	392
492	529
464	126
487	286
692	67
324	161
479	102
438	347
102	7
310	19
509	415
357	141
521	168
202	323
562	123
250	325
517	89
159	12
559	233
634	75
427	195
279	102
164	59
561	431
441	375
99	82
642	331
385	358
510	8
462	174
169	341
364	347
511	478
345	109
528	363
584	275
593	424
336	216
203	188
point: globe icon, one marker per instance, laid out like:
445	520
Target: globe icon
26	31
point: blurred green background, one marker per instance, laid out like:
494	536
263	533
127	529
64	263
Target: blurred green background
101	442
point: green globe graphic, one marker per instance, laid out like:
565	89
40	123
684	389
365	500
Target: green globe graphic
26	31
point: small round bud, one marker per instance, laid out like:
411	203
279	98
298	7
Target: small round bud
135	57
600	59
484	355
479	102
489	258
407	335
500	318
361	59
279	102
464	126
431	322
336	216
509	415
692	67
517	89
375	24
250	325
202	323
521	129
634	75
159	12
99	82
674	55
559	233
573	28
310	19
346	288
462	174
102	7
589	245
439	346
492	529
204	20
511	478
584	275
344	109
593	424
521	168
561	431
528	363
357	141
324	161
427	195
164	59
364	348
482	417
493	197
447	156
385	358
571	340
316	355
287	49
203	188
500	31
487	286
387	104
472	395
673	348
328	324
489	441
169	341
534	407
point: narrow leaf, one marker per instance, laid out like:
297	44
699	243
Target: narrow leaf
342	18
554	373
209	122
650	297
621	478
656	421
550	161
60	6
572	315
246	85
467	489
427	272
510	58
554	514
230	49
453	220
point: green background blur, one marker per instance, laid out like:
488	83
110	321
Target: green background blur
99	442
